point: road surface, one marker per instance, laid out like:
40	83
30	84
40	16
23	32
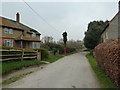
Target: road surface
71	71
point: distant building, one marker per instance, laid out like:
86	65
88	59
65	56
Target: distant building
112	30
15	34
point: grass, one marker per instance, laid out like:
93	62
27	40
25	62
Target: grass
105	81
14	65
53	58
13	79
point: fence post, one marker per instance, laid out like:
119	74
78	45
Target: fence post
22	55
38	55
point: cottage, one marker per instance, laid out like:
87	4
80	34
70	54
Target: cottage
112	30
15	34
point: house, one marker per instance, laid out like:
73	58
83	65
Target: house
112	30
15	34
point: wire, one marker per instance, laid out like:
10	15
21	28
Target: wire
40	16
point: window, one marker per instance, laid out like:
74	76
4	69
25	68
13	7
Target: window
8	43
33	34
35	45
9	31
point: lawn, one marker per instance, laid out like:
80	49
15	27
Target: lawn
102	77
53	58
14	65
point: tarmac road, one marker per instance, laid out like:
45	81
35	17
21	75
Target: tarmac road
72	71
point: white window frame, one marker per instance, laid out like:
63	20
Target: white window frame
33	34
35	45
8	43
7	30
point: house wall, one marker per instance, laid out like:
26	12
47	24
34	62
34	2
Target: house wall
111	31
0	31
16	33
38	37
1	43
28	35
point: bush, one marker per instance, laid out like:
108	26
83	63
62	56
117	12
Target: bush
108	58
91	52
68	50
44	53
8	48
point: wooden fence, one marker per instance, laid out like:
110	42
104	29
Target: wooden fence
8	55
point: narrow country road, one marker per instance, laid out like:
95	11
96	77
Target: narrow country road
71	71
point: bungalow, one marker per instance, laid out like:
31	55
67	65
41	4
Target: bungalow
112	30
15	34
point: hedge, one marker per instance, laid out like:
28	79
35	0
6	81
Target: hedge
44	52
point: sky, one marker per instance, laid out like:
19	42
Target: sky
72	17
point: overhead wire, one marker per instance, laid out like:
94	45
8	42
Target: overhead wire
41	17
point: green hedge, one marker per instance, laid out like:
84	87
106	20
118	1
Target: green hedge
44	52
8	48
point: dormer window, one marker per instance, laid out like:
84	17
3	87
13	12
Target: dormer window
7	30
33	34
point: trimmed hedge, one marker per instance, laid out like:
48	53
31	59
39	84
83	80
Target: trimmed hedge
108	57
8	48
68	50
44	52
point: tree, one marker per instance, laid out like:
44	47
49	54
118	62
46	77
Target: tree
47	39
64	37
93	34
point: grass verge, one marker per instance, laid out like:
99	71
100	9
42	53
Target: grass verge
53	58
102	77
15	65
13	79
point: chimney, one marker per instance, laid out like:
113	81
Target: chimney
18	17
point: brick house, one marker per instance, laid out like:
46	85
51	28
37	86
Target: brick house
112	30
15	34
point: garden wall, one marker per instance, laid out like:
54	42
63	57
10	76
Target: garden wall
108	57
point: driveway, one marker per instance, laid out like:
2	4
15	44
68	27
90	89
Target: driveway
71	71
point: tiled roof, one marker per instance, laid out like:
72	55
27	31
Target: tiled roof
110	22
13	24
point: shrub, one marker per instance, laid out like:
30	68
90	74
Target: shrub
91	52
68	50
8	48
44	53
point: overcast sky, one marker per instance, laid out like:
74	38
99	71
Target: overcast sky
72	17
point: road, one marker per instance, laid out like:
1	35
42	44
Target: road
72	71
